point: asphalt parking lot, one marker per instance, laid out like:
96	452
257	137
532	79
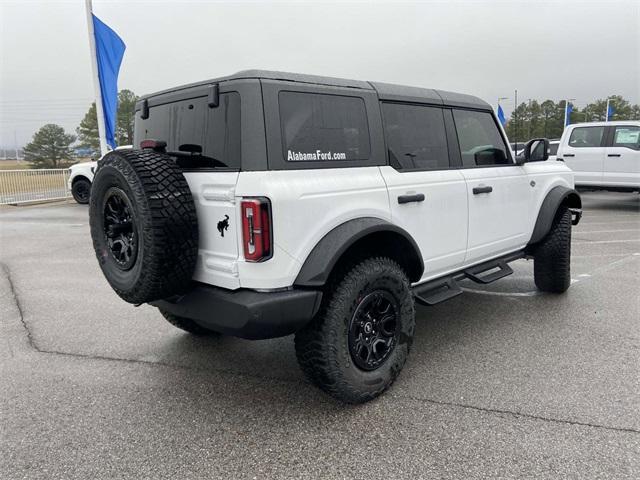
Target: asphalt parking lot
502	381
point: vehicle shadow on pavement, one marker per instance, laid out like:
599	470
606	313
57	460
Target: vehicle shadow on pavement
619	203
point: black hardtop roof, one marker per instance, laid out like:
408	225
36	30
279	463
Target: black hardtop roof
385	91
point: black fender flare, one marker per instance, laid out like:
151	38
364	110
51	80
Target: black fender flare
556	197
80	177
320	262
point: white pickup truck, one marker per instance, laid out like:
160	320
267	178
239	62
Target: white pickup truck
603	155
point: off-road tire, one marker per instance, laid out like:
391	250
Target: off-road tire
552	256
187	325
81	189
322	346
163	218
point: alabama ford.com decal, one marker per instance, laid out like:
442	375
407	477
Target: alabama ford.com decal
317	155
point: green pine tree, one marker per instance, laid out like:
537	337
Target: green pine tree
50	147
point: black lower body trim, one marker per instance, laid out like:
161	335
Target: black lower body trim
245	313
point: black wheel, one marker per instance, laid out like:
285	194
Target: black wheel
81	190
552	256
143	225
187	324
356	346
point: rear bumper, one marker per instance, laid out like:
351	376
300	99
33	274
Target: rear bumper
245	313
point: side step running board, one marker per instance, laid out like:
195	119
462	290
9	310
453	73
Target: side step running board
474	272
432	293
436	291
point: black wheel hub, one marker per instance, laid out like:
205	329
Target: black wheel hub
373	330
81	189
120	229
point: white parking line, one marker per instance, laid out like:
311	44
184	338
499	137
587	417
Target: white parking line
608	231
620	215
582	222
587	242
603	255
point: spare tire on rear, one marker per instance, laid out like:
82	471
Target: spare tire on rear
143	225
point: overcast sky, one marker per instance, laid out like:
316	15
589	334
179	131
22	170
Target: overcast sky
583	50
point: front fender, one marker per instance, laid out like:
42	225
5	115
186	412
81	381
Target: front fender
556	197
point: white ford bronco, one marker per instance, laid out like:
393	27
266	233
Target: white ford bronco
265	204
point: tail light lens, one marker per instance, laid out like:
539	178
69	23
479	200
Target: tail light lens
256	229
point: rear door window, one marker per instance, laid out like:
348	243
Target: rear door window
416	137
584	137
627	137
321	127
479	138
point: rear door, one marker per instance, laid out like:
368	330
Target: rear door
209	148
427	197
498	190
622	160
584	153
325	146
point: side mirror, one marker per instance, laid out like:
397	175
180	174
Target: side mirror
536	150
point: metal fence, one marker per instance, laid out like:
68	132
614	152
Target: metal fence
22	186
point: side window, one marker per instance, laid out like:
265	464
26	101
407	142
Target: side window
320	127
627	137
586	137
416	137
479	138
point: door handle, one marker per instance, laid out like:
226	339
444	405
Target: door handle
569	155
413	197
477	190
614	155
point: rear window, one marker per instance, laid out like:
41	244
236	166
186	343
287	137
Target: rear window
211	135
586	137
319	127
627	137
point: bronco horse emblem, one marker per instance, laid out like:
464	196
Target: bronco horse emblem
223	225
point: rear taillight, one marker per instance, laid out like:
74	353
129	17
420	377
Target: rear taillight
155	145
256	229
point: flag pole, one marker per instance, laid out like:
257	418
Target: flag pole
606	112
96	80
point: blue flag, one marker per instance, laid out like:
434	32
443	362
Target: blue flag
501	115
109	52
610	112
569	110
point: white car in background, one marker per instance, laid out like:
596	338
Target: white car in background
553	149
603	155
81	178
